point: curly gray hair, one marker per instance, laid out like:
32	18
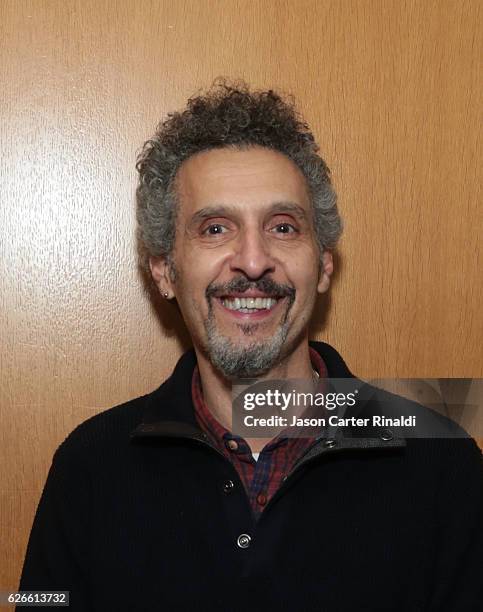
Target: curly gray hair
227	115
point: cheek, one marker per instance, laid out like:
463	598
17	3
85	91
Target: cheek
205	262
304	276
191	287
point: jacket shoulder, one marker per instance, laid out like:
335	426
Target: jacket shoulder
430	422
105	430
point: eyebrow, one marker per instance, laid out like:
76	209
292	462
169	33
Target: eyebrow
222	210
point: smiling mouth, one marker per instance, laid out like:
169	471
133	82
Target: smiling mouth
249	305
255	306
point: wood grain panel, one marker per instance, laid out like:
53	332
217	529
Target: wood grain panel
391	89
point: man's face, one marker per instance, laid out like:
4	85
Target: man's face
246	258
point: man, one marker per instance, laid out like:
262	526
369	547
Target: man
158	505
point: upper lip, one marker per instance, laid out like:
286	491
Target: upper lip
248	294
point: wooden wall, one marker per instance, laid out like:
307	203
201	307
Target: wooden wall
391	89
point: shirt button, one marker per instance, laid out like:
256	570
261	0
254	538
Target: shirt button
228	486
232	445
261	499
329	443
386	435
243	540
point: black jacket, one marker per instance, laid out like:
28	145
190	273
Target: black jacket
135	516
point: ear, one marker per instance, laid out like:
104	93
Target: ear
326	269
160	271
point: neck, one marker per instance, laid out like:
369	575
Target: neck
217	390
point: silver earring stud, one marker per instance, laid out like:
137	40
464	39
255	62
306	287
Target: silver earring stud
166	294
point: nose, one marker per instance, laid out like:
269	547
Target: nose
252	255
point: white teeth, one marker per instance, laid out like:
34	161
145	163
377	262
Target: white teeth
248	305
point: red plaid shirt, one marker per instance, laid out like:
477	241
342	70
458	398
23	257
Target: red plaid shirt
261	478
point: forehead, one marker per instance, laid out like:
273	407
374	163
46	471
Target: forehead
254	177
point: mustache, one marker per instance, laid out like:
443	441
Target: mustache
241	284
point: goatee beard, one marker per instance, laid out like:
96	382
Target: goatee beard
243	361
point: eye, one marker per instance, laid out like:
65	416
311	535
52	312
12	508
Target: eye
214	229
285	228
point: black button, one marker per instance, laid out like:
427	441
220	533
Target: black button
243	540
228	486
386	435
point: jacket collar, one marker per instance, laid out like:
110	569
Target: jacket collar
169	411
